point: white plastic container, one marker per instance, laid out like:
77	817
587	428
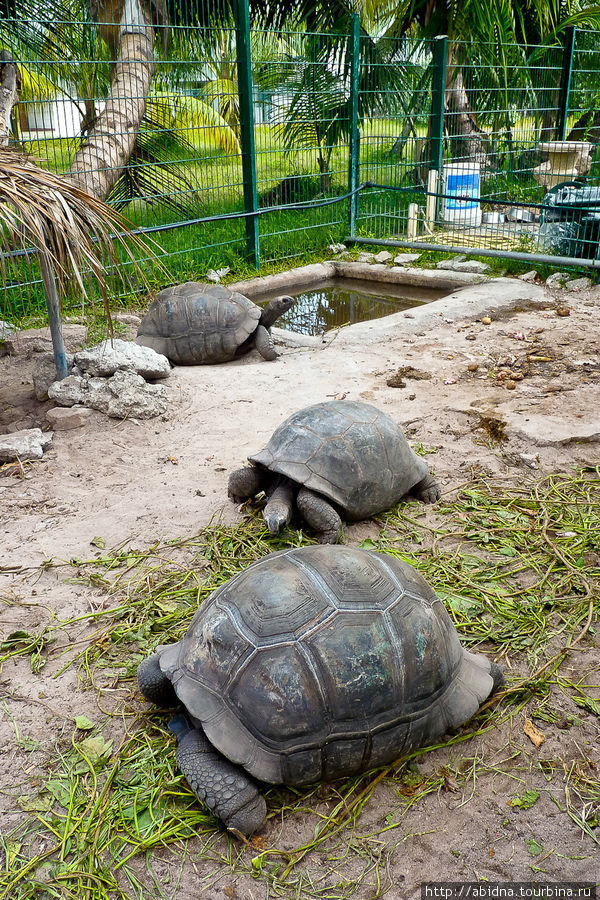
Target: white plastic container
460	182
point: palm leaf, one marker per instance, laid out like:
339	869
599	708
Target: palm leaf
86	242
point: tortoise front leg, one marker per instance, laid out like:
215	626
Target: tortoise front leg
154	684
247	482
427	490
223	787
263	341
320	515
278	511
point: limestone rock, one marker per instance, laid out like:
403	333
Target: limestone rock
528	276
337	248
383	257
28	444
6	330
579	284
127	319
458	264
44	374
405	259
122	396
112	356
557	279
39	340
64	418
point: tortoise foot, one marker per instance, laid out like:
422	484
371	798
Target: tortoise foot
427	490
154	684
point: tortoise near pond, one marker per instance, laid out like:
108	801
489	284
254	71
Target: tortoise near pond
195	324
341	456
312	664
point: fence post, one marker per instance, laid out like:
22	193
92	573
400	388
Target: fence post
565	82
436	124
244	79
354	146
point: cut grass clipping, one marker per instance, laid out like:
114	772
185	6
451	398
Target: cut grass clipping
518	568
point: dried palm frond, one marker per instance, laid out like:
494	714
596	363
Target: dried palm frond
79	240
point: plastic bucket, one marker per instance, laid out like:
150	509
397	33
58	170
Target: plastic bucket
460	185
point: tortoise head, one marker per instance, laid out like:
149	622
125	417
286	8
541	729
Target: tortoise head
276	308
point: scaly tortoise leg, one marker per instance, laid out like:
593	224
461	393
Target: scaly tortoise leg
278	511
320	515
247	482
263	341
223	787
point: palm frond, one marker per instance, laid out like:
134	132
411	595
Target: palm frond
86	241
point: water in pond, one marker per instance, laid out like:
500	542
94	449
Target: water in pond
344	301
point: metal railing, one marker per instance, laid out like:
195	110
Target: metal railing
259	145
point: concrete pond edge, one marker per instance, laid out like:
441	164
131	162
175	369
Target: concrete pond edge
470	296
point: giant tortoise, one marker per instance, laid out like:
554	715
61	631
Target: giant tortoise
340	456
311	664
195	324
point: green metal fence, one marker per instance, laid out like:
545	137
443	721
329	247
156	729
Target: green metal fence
259	145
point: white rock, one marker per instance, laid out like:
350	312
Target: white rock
405	259
216	275
117	355
124	395
6	329
579	284
464	265
450	263
39	340
383	257
44	374
337	248
126	319
28	444
557	279
64	418
528	276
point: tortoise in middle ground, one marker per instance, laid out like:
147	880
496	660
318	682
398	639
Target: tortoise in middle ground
312	664
338	457
197	324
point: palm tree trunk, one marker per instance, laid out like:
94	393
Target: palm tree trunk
468	141
104	153
10	82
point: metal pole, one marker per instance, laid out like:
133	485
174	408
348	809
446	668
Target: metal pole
244	78
565	83
482	251
53	306
436	123
438	94
354	155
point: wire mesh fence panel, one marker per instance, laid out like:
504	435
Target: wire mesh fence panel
394	117
301	97
230	145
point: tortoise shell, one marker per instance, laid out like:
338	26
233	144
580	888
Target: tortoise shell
348	451
195	323
324	661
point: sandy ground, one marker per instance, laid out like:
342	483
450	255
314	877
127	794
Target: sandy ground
165	478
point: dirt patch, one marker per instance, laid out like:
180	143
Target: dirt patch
457	813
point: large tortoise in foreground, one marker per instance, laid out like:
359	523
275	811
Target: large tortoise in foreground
312	664
340	458
196	324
